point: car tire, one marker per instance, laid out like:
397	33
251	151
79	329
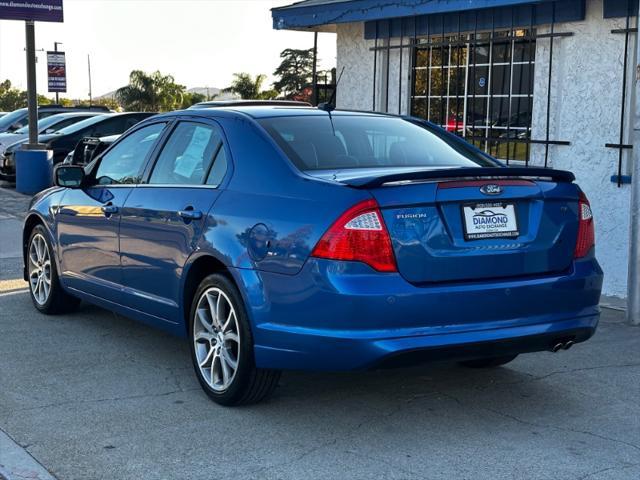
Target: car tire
45	290
222	346
490	362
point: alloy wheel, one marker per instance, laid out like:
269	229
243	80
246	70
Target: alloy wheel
216	338
39	269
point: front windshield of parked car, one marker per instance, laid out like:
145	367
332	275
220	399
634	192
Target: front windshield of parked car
10	118
43	124
80	125
361	141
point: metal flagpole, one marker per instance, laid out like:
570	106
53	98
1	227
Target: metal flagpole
32	96
89	70
55	49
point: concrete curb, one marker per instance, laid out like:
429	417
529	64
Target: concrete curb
17	464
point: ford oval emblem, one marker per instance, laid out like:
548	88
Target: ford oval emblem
491	189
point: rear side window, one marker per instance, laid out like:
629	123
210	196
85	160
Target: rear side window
187	157
358	141
125	162
65	123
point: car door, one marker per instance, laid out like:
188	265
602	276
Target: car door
163	218
88	219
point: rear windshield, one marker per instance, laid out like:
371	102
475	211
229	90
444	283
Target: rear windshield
44	123
313	143
11	118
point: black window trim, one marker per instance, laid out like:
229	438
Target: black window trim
91	169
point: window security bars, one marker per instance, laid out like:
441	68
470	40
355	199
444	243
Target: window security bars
621	146
478	84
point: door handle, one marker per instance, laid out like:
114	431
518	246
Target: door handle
190	214
109	209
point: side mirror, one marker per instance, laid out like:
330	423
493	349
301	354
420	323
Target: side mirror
49	130
14	127
69	176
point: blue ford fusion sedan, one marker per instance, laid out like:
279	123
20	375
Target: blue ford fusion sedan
283	237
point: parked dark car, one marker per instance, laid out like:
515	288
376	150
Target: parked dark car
296	238
63	141
89	148
19	118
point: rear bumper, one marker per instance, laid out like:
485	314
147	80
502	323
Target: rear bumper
343	316
311	351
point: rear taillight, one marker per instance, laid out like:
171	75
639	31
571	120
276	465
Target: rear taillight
586	231
359	235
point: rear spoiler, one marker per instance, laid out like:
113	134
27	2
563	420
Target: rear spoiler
473	172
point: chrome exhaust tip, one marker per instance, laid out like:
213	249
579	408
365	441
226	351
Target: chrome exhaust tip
557	347
568	345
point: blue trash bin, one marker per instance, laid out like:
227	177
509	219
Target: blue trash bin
34	170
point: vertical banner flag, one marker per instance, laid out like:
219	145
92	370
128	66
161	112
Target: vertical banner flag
56	72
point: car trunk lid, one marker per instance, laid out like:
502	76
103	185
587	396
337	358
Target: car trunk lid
455	225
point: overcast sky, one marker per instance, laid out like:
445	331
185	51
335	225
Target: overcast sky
200	42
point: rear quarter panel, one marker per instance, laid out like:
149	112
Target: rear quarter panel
269	217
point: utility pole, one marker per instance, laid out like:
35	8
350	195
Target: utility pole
55	49
32	95
633	280
89	69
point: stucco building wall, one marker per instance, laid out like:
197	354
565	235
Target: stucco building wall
586	92
586	99
355	90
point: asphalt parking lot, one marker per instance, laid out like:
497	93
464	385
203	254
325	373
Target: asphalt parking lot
93	395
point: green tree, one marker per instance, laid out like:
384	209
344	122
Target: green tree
66	102
249	88
109	102
189	99
271	94
294	72
153	92
42	100
11	98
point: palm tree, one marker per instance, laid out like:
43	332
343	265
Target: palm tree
249	88
150	92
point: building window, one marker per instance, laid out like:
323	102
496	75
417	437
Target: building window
479	87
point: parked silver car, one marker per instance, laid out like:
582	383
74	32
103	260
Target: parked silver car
46	125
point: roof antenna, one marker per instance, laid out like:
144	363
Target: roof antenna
329	106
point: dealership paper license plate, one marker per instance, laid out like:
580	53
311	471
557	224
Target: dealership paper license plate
490	220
